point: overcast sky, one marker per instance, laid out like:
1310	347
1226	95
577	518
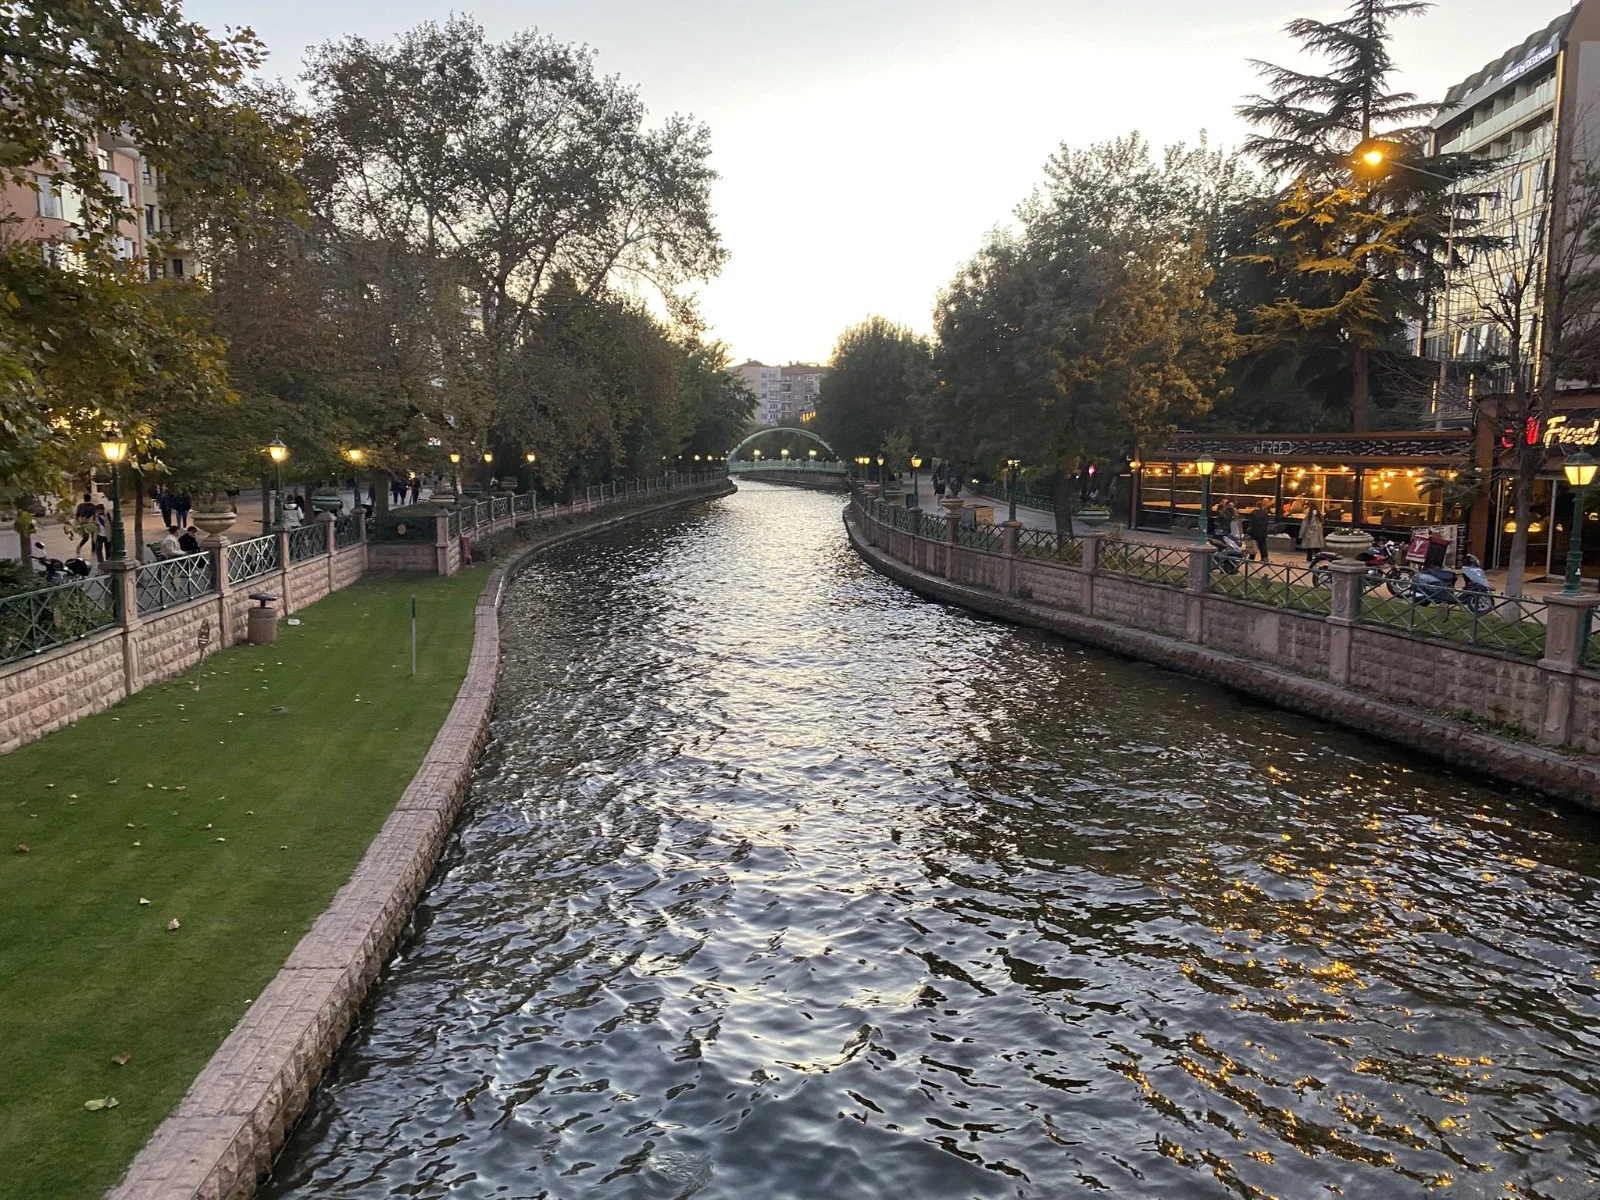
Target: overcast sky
865	146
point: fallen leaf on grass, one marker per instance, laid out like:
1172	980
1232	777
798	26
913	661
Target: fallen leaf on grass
22	848
172	925
102	1102
222	839
121	1060
150	785
138	843
143	903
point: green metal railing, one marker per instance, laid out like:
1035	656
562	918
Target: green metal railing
258	556
307	542
33	622
932	526
1508	624
174	581
980	537
1166	565
346	530
1048	544
1281	585
1591	642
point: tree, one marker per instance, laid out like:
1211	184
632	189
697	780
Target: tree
1355	255
535	178
876	378
1090	331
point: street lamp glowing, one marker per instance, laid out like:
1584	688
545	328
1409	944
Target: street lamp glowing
277	452
1579	469
813	454
488	457
757	454
916	461
455	456
784	452
114	449
1373	157
531	456
355	456
1205	464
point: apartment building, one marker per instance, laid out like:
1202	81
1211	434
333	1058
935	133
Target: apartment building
1533	110
785	395
48	210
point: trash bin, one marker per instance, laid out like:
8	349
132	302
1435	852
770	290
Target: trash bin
261	627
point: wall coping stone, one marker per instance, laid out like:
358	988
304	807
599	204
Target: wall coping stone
1568	777
238	1112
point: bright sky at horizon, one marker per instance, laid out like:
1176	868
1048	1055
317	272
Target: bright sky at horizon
866	146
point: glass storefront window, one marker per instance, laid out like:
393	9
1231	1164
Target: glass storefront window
1394	498
1333	492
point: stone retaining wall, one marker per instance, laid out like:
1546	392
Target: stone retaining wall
238	1112
1400	688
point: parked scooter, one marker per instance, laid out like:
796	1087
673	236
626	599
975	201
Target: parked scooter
1437	585
57	571
1230	557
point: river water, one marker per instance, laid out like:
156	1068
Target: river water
777	882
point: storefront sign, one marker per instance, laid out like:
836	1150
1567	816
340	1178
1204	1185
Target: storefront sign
1560	430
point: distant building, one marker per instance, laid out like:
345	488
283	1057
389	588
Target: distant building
48	211
1532	109
784	395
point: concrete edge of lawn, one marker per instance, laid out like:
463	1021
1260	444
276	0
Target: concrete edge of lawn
224	1133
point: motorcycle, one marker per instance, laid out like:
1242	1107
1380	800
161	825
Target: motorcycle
1437	585
1229	557
56	570
1385	562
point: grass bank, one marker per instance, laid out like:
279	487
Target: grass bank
236	810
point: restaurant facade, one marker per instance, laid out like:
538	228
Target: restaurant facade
1458	482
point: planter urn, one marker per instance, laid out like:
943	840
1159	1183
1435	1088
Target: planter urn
214	521
1093	518
1350	544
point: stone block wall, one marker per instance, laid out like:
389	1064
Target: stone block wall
167	644
1432	676
41	694
308	583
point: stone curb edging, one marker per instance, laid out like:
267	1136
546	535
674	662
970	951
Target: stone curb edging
1576	780
238	1112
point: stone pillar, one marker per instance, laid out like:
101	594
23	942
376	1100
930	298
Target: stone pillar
1008	547
1091	568
283	569
333	548
1348	577
217	546
1567	619
124	579
952	521
1194	596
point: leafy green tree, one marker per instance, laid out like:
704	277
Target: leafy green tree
876	381
1354	253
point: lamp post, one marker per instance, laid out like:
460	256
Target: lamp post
1012	466
1375	156
813	457
1579	470
277	452
115	450
455	484
1205	464
915	500
880	474
354	457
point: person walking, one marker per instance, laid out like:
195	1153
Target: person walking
1258	525
181	504
1311	539
83	522
938	483
416	488
1228	515
102	533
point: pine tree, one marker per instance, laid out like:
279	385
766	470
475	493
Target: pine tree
1359	251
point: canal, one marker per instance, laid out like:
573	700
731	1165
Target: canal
779	883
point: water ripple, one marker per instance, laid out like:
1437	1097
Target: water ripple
776	881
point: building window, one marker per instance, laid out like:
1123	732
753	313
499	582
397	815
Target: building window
177	268
49	198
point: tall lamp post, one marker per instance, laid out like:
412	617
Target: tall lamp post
1579	470
455	483
355	456
1012	466
1205	464
277	452
914	500
115	451
880	474
1375	156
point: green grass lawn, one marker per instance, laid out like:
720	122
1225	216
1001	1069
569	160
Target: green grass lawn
237	810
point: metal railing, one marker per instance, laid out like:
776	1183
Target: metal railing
307	542
1591	642
258	556
980	537
525	502
1487	620
1048	544
346	530
500	507
33	622
932	526
452	527
174	581
1282	585
1166	565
